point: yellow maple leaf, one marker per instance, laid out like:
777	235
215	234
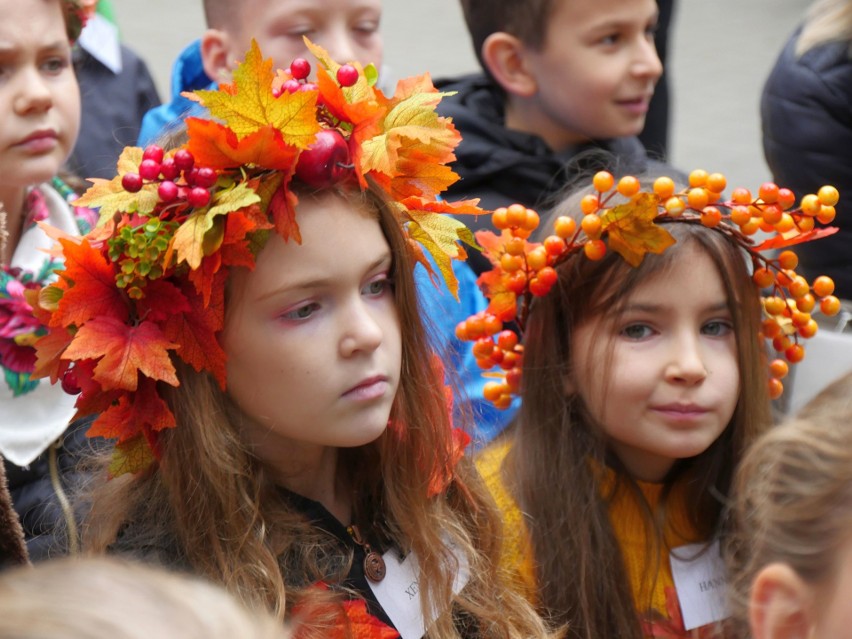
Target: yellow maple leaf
129	160
200	235
130	457
249	105
110	197
440	234
632	231
413	119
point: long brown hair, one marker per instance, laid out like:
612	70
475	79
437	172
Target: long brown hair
209	496
580	569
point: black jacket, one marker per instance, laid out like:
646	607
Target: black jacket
806	112
502	166
112	108
35	499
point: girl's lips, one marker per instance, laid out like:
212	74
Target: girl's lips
637	106
39	142
369	389
681	411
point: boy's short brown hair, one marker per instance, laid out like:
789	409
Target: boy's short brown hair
525	19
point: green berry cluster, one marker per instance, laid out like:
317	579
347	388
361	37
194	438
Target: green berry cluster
140	254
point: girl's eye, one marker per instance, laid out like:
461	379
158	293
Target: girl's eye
610	39
376	287
302	312
367	28
55	65
717	328
637	331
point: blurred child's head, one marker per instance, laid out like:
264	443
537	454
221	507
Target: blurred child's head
110	599
39	96
572	70
347	29
657	363
790	556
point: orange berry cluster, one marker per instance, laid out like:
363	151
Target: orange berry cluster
523	269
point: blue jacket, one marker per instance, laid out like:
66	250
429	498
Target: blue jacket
187	75
442	313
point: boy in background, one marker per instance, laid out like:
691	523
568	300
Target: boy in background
560	77
347	29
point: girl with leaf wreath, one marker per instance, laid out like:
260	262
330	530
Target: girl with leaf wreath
643	378
244	322
40	104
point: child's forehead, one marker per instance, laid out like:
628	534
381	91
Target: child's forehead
31	20
595	14
283	8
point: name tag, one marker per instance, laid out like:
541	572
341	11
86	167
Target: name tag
701	584
399	593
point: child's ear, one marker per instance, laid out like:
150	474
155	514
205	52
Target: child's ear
215	50
780	605
505	57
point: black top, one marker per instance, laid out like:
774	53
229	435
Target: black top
806	113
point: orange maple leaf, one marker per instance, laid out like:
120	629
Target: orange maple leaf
236	250
282	208
631	229
91	288
780	241
123	352
363	625
217	146
49	349
248	105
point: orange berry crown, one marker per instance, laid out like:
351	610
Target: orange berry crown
524	270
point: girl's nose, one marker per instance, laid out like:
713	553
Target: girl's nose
33	94
686	365
362	333
646	62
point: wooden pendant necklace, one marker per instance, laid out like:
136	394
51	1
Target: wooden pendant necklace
374	563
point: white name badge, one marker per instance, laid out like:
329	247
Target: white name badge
701	583
399	593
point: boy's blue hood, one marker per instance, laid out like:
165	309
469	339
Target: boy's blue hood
187	75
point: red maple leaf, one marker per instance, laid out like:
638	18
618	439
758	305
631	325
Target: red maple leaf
195	332
91	288
133	412
162	299
123	352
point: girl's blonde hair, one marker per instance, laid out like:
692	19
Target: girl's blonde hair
579	567
211	508
793	500
826	21
102	598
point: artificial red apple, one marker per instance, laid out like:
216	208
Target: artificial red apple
325	162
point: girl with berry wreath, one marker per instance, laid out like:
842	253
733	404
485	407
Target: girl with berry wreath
40	105
643	377
244	323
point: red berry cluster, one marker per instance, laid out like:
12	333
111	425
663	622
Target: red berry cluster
300	69
194	188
